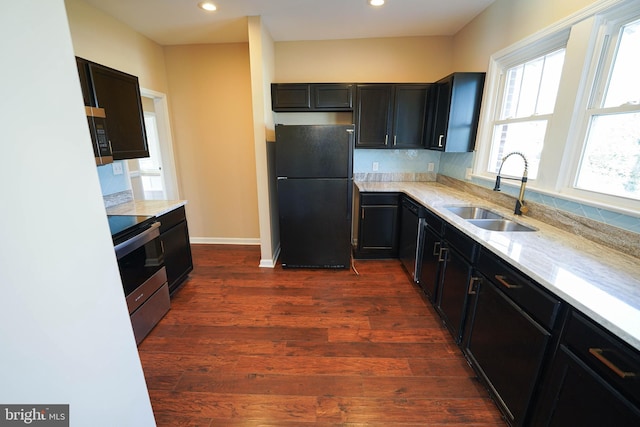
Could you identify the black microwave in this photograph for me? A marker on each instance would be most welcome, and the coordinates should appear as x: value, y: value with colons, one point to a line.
x: 99, y: 137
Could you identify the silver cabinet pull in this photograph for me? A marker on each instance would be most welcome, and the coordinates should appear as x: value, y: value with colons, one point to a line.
x: 395, y: 142
x: 472, y: 289
x: 436, y: 248
x: 440, y: 141
x: 386, y: 139
x: 443, y: 251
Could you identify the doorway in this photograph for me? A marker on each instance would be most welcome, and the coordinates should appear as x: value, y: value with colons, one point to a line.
x: 154, y: 177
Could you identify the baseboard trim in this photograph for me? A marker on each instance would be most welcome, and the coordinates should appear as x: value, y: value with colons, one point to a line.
x: 223, y: 241
x: 271, y: 263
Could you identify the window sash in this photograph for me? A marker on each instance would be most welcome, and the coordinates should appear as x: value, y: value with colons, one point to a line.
x: 586, y: 35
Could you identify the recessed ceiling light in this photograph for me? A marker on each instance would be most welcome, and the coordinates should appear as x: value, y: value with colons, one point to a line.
x: 375, y: 2
x: 207, y: 5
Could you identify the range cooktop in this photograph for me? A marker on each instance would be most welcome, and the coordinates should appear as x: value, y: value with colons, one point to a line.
x: 127, y: 225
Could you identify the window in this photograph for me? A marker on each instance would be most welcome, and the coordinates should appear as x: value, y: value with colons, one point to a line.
x: 569, y: 99
x: 529, y: 93
x: 610, y: 160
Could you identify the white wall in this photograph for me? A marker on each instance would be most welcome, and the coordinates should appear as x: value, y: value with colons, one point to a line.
x: 65, y: 334
x: 261, y: 54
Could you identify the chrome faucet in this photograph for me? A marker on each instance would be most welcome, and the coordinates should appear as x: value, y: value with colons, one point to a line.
x: 520, y: 207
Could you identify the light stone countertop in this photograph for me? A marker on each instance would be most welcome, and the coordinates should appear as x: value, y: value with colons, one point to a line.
x: 602, y: 283
x: 145, y: 207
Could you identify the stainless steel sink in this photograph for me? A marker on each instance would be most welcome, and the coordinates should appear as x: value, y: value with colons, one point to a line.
x: 474, y: 212
x: 499, y: 225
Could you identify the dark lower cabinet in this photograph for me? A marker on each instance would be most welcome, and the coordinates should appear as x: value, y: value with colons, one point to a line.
x: 431, y: 264
x: 457, y: 253
x: 594, y: 380
x: 543, y: 362
x: 177, y: 250
x: 507, y: 349
x: 378, y: 225
x: 509, y: 335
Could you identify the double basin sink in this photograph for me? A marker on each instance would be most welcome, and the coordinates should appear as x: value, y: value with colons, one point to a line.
x: 487, y: 220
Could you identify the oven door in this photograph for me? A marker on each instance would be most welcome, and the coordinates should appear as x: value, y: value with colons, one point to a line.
x: 141, y: 264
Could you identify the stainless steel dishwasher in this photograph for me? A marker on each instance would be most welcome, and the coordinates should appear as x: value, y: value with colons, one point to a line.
x: 412, y: 220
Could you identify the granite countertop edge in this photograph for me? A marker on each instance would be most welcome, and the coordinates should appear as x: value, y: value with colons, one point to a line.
x: 145, y: 207
x: 601, y: 282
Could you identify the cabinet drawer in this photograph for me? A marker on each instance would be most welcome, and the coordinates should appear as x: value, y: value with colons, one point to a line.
x: 171, y: 219
x: 610, y: 357
x: 463, y: 244
x: 434, y: 221
x: 527, y: 294
x: 379, y: 198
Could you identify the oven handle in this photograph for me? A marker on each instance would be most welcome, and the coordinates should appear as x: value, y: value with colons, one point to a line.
x: 137, y: 241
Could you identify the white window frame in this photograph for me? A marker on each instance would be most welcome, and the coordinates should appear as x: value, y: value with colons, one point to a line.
x: 606, y: 37
x: 562, y: 149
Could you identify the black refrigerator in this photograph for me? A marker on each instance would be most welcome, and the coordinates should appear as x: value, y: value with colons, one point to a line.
x: 315, y: 188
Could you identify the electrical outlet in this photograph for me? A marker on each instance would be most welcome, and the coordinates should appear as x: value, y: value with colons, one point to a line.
x: 375, y: 166
x: 467, y: 175
x: 117, y: 168
x: 430, y: 167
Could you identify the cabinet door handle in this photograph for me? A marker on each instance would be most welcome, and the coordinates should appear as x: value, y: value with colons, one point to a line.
x: 436, y: 248
x: 395, y: 140
x: 443, y: 251
x: 440, y: 138
x: 362, y: 215
x: 472, y: 289
x: 386, y: 139
x: 503, y: 281
x: 598, y: 353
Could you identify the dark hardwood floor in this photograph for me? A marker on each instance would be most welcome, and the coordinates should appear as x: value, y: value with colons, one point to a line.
x: 250, y: 346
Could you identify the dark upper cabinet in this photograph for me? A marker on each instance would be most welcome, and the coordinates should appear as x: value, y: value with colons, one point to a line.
x: 454, y: 111
x: 373, y: 115
x: 83, y: 73
x: 118, y: 94
x: 291, y: 97
x: 409, y: 115
x: 390, y: 115
x: 332, y: 97
x: 300, y: 97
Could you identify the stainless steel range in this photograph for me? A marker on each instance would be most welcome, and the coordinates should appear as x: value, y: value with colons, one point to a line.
x: 140, y: 257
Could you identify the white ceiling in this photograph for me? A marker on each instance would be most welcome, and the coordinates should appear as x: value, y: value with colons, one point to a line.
x: 170, y: 22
